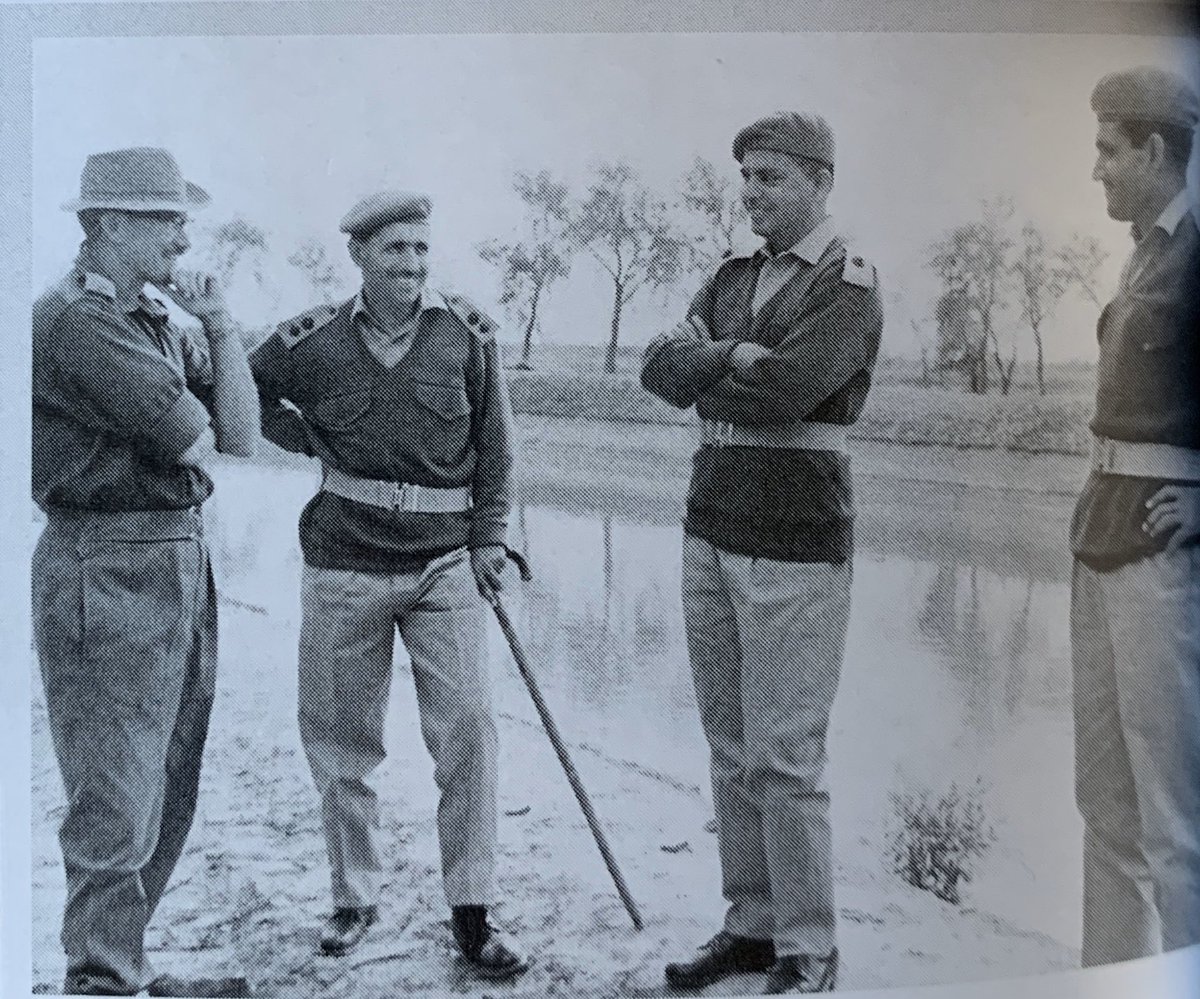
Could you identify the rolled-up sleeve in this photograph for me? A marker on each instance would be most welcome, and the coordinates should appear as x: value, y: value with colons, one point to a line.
x: 127, y: 384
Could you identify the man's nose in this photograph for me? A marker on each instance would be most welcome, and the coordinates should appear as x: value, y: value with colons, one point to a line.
x: 1098, y: 171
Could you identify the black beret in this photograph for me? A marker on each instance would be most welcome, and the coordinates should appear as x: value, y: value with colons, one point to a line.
x: 384, y: 208
x: 1146, y: 93
x: 805, y: 135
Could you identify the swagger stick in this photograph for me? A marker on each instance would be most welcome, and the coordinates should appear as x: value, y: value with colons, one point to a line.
x: 560, y: 748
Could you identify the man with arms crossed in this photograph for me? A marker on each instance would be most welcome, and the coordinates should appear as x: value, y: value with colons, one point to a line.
x: 399, y: 393
x: 126, y: 410
x: 1135, y: 600
x: 776, y: 354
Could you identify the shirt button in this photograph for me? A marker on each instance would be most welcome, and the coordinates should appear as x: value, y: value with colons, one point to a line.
x: 307, y: 322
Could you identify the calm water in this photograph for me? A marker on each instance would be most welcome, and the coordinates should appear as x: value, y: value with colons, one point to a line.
x: 952, y: 673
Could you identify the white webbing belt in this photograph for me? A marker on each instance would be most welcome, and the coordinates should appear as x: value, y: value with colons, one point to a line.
x: 1145, y: 461
x: 799, y: 436
x: 397, y: 495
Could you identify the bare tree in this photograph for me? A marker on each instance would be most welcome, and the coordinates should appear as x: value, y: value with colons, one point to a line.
x: 716, y: 208
x: 631, y: 235
x: 1045, y: 276
x: 972, y: 261
x: 531, y: 264
x: 312, y: 260
x: 1039, y: 287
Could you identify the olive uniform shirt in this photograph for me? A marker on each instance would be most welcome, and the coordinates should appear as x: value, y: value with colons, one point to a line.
x: 118, y: 396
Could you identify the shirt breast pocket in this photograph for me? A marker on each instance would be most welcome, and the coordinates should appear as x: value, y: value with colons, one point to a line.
x: 341, y: 412
x: 444, y: 422
x: 445, y: 401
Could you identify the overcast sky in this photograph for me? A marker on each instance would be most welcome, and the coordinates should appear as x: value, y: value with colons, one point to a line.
x: 291, y: 131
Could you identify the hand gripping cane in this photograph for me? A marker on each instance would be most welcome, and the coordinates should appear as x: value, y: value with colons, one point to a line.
x: 556, y: 740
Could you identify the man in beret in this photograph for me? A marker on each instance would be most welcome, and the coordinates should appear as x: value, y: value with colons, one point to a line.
x: 776, y: 354
x: 127, y: 411
x: 1135, y: 601
x: 398, y: 392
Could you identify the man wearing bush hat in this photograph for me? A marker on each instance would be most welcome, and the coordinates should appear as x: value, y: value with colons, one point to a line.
x: 776, y: 354
x: 398, y: 391
x: 127, y: 410
x: 1135, y: 628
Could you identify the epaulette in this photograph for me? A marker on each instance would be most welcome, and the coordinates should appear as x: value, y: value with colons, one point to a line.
x: 858, y: 270
x: 97, y: 284
x: 473, y: 317
x: 296, y: 329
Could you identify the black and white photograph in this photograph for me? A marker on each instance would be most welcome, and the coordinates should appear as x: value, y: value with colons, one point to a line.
x: 682, y: 501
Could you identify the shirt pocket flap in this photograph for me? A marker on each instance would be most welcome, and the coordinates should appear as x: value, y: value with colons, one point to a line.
x: 447, y: 401
x: 338, y: 412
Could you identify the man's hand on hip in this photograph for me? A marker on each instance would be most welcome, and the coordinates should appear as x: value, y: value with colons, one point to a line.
x: 1174, y: 511
x: 487, y: 563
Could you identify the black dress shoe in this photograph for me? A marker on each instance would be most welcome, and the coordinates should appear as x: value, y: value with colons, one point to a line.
x: 86, y: 983
x: 724, y: 955
x: 802, y: 975
x: 234, y: 987
x: 489, y: 951
x: 346, y: 927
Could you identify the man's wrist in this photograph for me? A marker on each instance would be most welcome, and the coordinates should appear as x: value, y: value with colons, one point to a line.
x: 219, y: 325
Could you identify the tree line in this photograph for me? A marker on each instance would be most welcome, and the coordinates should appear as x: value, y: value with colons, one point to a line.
x: 987, y: 268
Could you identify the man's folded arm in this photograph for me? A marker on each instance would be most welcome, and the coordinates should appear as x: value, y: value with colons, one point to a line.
x: 677, y: 367
x: 828, y: 344
x: 127, y: 385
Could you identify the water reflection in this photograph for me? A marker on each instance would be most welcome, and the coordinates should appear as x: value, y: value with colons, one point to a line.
x: 952, y: 672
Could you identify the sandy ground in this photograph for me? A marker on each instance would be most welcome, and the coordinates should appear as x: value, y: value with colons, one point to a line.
x: 250, y: 893
x: 252, y: 888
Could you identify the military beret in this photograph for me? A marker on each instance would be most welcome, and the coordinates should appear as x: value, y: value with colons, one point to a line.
x: 1146, y: 93
x: 384, y: 208
x: 805, y: 135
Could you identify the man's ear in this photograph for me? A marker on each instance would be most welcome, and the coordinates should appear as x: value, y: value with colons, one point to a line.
x: 1156, y: 150
x: 114, y: 226
x: 354, y: 245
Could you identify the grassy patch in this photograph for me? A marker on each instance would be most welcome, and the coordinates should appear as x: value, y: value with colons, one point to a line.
x: 935, y: 840
x: 899, y: 412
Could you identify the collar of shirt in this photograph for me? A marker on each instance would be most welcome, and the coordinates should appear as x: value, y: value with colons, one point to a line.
x: 93, y: 281
x: 808, y: 249
x: 1146, y: 247
x: 1174, y: 213
x: 388, y: 347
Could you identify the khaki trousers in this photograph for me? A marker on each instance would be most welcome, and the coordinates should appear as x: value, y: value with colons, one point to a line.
x: 765, y: 640
x: 346, y: 642
x: 1135, y: 635
x: 125, y: 622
